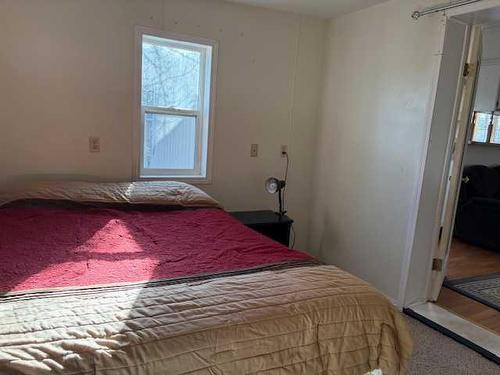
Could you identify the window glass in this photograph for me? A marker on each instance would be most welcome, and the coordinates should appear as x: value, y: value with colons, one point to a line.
x: 169, y: 141
x: 170, y: 76
x: 481, y: 127
x: 495, y: 134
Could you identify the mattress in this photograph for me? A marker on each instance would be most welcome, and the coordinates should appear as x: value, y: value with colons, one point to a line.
x: 101, y: 290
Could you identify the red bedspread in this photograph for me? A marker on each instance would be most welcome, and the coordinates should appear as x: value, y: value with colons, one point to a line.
x: 53, y: 247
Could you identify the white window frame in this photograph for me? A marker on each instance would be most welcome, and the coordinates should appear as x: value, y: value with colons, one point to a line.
x: 204, y: 115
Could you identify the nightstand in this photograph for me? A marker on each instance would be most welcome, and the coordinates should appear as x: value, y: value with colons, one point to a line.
x: 267, y: 223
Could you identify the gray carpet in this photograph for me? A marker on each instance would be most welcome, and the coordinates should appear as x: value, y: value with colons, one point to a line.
x: 436, y: 354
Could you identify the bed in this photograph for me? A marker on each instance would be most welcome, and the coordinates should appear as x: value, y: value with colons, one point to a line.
x: 156, y: 278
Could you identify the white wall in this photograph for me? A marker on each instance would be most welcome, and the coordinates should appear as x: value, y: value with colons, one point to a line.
x: 491, y: 47
x: 482, y: 155
x: 380, y: 76
x: 66, y: 73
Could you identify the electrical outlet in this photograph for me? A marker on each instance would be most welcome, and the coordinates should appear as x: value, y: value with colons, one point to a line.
x: 284, y: 150
x: 94, y: 144
x: 254, y: 150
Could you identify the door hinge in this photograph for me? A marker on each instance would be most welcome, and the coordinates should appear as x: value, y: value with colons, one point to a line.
x: 466, y: 69
x: 437, y: 264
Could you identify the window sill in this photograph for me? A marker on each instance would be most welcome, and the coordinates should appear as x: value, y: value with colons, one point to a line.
x: 484, y: 144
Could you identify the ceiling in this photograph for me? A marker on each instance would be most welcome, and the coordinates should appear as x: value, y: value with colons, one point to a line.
x: 482, y: 17
x: 321, y: 8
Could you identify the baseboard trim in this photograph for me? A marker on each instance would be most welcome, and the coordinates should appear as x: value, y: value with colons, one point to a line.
x: 445, y: 331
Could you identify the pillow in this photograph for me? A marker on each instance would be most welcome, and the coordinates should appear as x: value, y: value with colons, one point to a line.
x: 159, y: 193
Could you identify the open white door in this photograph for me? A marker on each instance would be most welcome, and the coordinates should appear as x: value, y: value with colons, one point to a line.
x: 459, y: 131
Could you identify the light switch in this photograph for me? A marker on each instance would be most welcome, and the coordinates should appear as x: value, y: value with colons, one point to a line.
x: 94, y: 144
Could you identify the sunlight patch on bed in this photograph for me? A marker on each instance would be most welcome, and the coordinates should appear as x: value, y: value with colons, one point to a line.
x: 113, y: 238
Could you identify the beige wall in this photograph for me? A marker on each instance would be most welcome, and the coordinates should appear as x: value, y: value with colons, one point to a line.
x: 380, y: 75
x: 482, y: 155
x: 66, y: 73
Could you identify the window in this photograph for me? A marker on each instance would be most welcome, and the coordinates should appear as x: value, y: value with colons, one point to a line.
x: 176, y: 87
x: 495, y: 133
x: 486, y: 128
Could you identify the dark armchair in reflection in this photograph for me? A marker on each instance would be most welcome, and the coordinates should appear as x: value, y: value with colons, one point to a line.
x: 478, y: 211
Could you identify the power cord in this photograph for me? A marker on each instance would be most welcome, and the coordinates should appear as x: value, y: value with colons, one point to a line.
x: 293, y: 238
x: 285, y: 179
x: 294, y: 235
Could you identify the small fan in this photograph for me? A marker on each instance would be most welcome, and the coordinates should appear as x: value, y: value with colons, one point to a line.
x: 273, y: 186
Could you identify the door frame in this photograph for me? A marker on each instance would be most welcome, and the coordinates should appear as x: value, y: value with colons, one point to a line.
x: 423, y: 230
x: 454, y: 166
x: 425, y: 213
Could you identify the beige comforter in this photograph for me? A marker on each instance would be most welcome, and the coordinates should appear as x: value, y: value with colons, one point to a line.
x: 306, y: 320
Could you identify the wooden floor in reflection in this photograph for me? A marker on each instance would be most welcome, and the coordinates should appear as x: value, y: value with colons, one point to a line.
x: 468, y: 261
